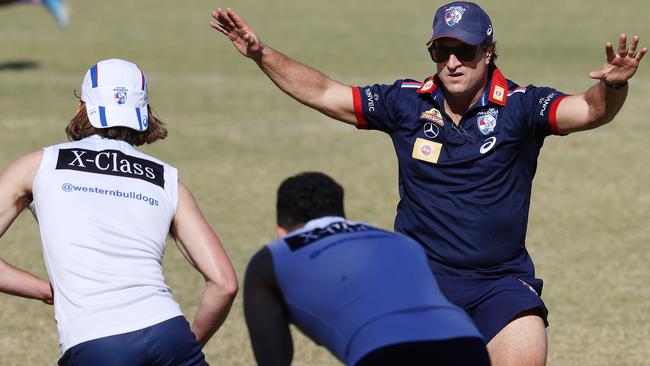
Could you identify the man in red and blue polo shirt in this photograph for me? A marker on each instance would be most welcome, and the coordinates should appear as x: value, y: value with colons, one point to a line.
x: 467, y: 141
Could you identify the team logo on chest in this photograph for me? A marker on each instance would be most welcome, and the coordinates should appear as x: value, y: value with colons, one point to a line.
x: 434, y: 116
x: 486, y: 124
x: 487, y: 121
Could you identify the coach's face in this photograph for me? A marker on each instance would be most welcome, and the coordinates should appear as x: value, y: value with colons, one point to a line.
x: 461, y: 68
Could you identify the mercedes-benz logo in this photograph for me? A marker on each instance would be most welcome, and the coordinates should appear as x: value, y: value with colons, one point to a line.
x: 431, y: 130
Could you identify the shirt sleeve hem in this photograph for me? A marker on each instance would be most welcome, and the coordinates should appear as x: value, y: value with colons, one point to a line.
x: 552, y: 116
x: 358, y: 109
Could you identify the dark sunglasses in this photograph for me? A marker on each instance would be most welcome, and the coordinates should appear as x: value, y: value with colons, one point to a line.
x: 463, y: 52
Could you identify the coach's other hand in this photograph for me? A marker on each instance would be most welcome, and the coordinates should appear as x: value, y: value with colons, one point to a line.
x: 621, y: 65
x: 238, y: 31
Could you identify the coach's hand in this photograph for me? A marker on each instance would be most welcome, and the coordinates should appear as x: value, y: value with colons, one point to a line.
x: 621, y: 65
x: 238, y: 31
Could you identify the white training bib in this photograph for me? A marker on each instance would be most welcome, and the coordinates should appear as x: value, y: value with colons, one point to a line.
x: 104, y: 211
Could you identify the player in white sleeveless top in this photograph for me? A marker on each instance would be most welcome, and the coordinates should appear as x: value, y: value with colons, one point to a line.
x: 104, y: 210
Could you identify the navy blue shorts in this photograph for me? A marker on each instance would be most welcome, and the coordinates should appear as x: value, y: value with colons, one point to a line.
x: 167, y: 343
x: 493, y: 303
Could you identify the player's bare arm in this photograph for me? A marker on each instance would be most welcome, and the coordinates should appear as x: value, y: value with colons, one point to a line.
x: 600, y: 103
x: 15, y: 194
x: 267, y: 317
x: 203, y: 249
x: 304, y: 83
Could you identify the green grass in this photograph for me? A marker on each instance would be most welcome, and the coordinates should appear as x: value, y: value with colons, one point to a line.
x: 234, y: 137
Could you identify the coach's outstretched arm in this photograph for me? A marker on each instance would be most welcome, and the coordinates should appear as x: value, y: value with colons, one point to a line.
x: 601, y: 102
x: 202, y: 248
x: 15, y: 194
x: 305, y: 84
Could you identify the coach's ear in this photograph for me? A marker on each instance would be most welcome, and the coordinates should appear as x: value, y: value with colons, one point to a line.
x: 280, y: 231
x: 488, y: 54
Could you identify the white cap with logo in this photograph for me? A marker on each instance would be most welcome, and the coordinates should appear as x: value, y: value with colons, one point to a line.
x: 115, y: 93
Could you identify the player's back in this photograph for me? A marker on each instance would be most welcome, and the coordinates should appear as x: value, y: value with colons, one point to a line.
x: 354, y: 288
x: 104, y: 212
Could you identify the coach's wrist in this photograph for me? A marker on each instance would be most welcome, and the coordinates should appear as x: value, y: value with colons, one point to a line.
x: 260, y: 53
x: 616, y: 86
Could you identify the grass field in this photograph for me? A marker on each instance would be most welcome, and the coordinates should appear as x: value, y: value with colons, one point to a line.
x: 234, y: 137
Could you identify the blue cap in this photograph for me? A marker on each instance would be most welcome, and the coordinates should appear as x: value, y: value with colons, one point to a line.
x: 464, y: 21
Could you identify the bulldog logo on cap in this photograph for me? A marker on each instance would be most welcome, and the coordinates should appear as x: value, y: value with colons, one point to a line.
x: 453, y: 15
x: 120, y: 94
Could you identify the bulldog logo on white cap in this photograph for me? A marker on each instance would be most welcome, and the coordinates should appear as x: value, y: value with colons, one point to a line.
x: 121, y: 94
x: 115, y: 93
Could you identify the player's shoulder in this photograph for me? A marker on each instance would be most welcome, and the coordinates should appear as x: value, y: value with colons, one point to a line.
x: 362, y: 226
x: 61, y: 145
x: 139, y: 154
x: 27, y: 162
x: 19, y: 176
x: 260, y: 263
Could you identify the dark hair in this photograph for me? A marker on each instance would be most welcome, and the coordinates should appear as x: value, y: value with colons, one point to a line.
x: 80, y: 127
x: 308, y: 196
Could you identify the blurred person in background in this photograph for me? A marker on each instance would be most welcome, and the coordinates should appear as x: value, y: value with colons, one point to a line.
x: 365, y: 294
x: 57, y: 8
x: 104, y: 211
x: 467, y: 142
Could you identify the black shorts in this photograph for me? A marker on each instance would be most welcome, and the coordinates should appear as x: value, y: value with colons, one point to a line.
x: 447, y: 352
